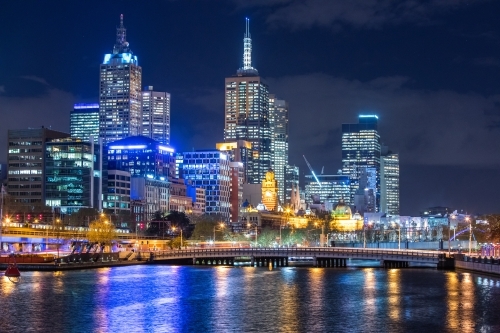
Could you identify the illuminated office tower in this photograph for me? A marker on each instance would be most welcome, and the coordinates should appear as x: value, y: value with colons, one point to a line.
x: 361, y: 150
x: 292, y: 186
x: 389, y: 182
x: 156, y: 115
x: 278, y: 117
x: 84, y: 121
x: 120, y: 92
x: 247, y: 113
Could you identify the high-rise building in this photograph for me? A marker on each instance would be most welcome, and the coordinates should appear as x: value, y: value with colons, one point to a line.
x: 120, y: 91
x: 291, y: 185
x: 361, y: 149
x: 210, y: 169
x: 156, y: 115
x: 239, y: 151
x: 389, y: 182
x: 26, y: 161
x: 278, y: 115
x: 75, y: 174
x: 142, y: 157
x: 247, y: 113
x: 327, y: 190
x: 84, y: 121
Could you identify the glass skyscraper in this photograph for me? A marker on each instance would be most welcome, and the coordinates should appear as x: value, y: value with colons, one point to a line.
x: 389, y: 182
x: 328, y: 190
x: 247, y: 113
x: 156, y: 115
x: 210, y: 170
x: 120, y: 113
x: 361, y: 149
x: 84, y: 121
x: 278, y: 115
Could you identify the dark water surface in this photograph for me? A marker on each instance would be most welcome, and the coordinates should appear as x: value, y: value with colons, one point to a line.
x: 244, y: 299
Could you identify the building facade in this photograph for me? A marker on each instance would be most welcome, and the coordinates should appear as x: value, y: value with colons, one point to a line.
x: 120, y: 113
x: 278, y: 115
x: 153, y: 194
x: 117, y: 199
x: 84, y: 121
x: 247, y: 113
x: 325, y: 193
x: 239, y: 151
x: 156, y: 115
x: 75, y: 175
x: 361, y: 149
x: 26, y: 161
x: 389, y: 183
x: 291, y: 182
x: 210, y: 170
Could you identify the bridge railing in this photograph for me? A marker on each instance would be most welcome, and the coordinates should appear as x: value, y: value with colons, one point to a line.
x: 298, y: 252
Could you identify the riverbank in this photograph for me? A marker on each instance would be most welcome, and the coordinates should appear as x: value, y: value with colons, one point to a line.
x: 72, y: 266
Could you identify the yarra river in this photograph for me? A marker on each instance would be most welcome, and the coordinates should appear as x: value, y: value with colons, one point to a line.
x: 149, y: 298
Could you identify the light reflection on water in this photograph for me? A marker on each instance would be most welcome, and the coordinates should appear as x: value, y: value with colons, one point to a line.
x: 247, y: 299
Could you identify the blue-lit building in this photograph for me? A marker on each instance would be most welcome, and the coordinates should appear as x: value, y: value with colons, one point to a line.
x: 360, y: 152
x: 120, y: 93
x: 75, y: 175
x: 142, y: 157
x: 327, y: 191
x: 210, y: 170
x: 84, y: 121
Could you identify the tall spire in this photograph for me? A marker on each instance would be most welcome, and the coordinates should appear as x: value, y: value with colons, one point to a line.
x: 247, y: 52
x: 121, y: 45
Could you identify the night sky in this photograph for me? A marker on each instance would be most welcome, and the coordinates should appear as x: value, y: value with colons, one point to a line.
x: 429, y: 69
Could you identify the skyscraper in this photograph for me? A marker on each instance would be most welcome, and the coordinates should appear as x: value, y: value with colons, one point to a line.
x: 156, y: 115
x: 389, y: 182
x: 247, y: 113
x: 84, y: 121
x: 120, y: 91
x: 361, y: 149
x: 278, y: 115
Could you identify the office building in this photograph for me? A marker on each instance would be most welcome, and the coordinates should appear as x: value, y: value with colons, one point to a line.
x: 117, y: 200
x: 210, y: 170
x: 325, y: 192
x: 152, y: 193
x: 361, y: 149
x: 84, y: 121
x: 120, y: 94
x: 239, y: 151
x: 179, y: 199
x: 197, y: 195
x: 26, y: 160
x: 236, y: 197
x: 75, y: 173
x: 291, y: 182
x: 247, y: 113
x: 142, y: 157
x: 156, y: 115
x: 389, y: 182
x: 278, y: 115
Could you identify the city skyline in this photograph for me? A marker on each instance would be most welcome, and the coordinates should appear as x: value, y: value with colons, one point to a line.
x: 436, y: 98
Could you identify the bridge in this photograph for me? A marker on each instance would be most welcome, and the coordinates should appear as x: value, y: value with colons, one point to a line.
x: 321, y: 256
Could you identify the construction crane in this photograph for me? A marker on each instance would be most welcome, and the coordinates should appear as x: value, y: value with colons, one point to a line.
x: 310, y: 168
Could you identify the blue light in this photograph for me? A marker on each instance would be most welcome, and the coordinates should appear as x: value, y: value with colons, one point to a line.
x: 171, y: 150
x: 368, y: 116
x: 79, y: 106
x: 128, y: 147
x: 150, y: 176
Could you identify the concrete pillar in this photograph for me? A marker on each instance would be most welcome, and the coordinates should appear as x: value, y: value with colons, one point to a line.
x: 286, y: 261
x: 252, y: 261
x: 315, y: 262
x: 194, y: 261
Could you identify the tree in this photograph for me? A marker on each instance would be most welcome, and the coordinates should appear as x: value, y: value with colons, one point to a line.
x: 83, y: 217
x: 181, y: 221
x: 493, y: 229
x: 101, y: 232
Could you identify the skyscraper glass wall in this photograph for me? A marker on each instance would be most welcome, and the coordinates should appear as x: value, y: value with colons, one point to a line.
x: 328, y: 190
x: 156, y: 115
x: 84, y: 121
x: 389, y: 187
x: 278, y: 115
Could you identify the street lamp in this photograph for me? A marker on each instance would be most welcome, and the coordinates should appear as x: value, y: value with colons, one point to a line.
x: 468, y: 219
x: 221, y: 227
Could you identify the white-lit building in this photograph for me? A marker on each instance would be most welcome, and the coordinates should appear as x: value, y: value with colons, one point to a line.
x: 120, y: 93
x: 389, y: 183
x: 278, y: 115
x: 327, y: 191
x: 84, y: 121
x: 156, y: 115
x: 117, y: 199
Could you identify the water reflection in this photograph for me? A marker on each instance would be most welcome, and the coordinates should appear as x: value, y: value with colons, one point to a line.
x: 194, y: 299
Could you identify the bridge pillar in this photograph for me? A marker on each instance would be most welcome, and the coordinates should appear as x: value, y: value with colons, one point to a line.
x: 252, y: 261
x: 286, y: 261
x: 194, y: 261
x: 315, y: 262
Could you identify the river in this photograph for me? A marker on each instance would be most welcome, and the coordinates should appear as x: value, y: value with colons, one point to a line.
x: 149, y: 298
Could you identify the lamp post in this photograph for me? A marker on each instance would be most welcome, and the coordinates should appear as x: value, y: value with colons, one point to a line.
x: 468, y: 219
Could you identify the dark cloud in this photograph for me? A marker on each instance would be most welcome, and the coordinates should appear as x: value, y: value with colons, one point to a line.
x: 358, y: 13
x: 487, y: 61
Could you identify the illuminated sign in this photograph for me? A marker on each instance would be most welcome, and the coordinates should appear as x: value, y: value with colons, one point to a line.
x: 368, y: 116
x: 171, y: 150
x: 128, y: 147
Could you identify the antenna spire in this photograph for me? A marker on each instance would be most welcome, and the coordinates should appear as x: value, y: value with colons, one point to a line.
x: 247, y: 51
x: 121, y: 45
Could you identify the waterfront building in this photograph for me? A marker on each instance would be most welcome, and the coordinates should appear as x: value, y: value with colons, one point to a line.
x: 278, y: 115
x: 239, y: 151
x: 117, y: 198
x: 365, y: 195
x: 197, y: 195
x: 120, y: 91
x: 153, y: 194
x: 210, y: 170
x: 292, y: 186
x: 361, y: 149
x: 389, y: 182
x: 247, y: 113
x: 236, y: 197
x: 179, y: 199
x: 26, y: 160
x: 156, y: 115
x: 75, y: 175
x: 142, y: 156
x: 322, y: 194
x: 84, y: 121
x: 342, y: 218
